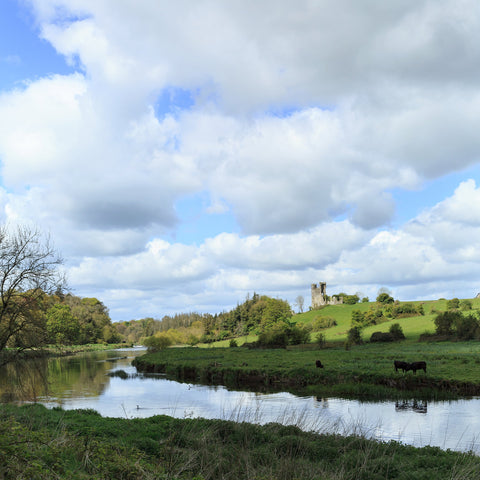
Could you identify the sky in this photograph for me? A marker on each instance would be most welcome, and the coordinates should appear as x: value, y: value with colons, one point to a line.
x: 184, y: 155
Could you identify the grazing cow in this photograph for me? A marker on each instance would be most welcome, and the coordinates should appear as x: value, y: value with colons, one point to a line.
x: 417, y: 366
x: 398, y: 364
x: 318, y: 363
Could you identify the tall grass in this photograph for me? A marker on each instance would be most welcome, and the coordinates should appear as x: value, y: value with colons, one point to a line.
x: 45, y: 444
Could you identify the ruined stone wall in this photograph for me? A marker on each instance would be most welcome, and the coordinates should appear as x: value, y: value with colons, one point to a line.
x: 319, y: 296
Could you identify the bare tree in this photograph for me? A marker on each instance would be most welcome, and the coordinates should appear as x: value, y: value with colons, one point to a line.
x: 29, y: 269
x: 299, y: 302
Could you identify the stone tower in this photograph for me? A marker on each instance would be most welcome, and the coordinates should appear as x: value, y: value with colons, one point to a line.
x: 319, y: 294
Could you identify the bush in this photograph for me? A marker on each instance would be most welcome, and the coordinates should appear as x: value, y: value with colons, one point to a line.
x: 320, y: 340
x: 396, y: 332
x: 350, y: 299
x: 233, y: 343
x: 404, y: 310
x: 354, y: 336
x: 298, y: 334
x: 465, y: 305
x: 319, y: 323
x: 467, y: 327
x: 157, y: 342
x: 381, y: 337
x: 273, y: 338
x: 385, y: 298
x: 445, y: 321
x: 453, y: 304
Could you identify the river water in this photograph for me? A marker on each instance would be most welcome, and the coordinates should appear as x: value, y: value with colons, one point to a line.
x: 83, y: 381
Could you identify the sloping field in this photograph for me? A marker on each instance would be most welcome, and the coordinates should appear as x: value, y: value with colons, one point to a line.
x: 412, y: 327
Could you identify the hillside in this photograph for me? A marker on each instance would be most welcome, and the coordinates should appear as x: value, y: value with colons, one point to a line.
x: 412, y: 327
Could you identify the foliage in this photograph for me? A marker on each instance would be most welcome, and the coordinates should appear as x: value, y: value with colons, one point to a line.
x: 453, y: 304
x: 29, y: 268
x: 285, y: 333
x: 350, y: 299
x: 396, y: 331
x: 62, y: 327
x: 381, y: 337
x: 467, y: 327
x: 384, y: 298
x: 158, y: 342
x: 354, y: 336
x: 466, y: 304
x: 444, y: 322
x: 321, y: 322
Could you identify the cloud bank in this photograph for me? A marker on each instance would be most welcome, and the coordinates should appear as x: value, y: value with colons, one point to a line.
x: 299, y: 122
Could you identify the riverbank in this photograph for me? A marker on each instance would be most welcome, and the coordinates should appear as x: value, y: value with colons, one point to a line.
x: 453, y: 369
x: 63, y: 350
x: 39, y: 443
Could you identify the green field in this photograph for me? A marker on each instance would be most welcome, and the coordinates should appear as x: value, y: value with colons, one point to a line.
x: 453, y: 369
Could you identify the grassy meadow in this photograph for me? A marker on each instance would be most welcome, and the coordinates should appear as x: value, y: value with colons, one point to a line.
x: 453, y: 367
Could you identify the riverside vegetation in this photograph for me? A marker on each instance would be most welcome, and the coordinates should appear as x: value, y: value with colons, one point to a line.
x: 40, y: 443
x: 36, y: 443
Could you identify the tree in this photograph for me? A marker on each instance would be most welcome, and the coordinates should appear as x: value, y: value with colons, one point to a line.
x: 445, y: 321
x: 385, y: 298
x: 62, y: 326
x: 29, y: 268
x: 300, y: 302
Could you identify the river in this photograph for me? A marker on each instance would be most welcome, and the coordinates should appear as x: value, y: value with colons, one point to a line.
x: 85, y: 381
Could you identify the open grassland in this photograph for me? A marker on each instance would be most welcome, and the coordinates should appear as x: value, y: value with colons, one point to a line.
x: 412, y: 327
x: 36, y: 443
x: 453, y: 368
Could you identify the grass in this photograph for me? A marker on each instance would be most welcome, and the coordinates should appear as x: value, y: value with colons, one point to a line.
x: 43, y: 444
x: 412, y: 327
x: 453, y: 369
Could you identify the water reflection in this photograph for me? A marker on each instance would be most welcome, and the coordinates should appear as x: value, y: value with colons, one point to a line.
x: 108, y: 383
x: 413, y: 405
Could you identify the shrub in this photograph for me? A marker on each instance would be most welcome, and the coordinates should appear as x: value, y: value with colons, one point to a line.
x: 354, y: 336
x: 404, y: 310
x: 465, y: 305
x: 467, y: 327
x: 233, y: 343
x: 298, y: 334
x: 319, y: 323
x: 381, y: 337
x: 320, y: 340
x: 452, y: 304
x: 445, y: 321
x: 396, y: 332
x: 385, y: 298
x: 350, y: 299
x: 273, y: 338
x: 358, y: 318
x: 157, y: 342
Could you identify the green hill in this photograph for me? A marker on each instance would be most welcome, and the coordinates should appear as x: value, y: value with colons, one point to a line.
x: 412, y: 326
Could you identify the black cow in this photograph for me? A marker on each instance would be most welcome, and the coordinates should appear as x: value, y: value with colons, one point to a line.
x: 398, y: 364
x: 318, y: 363
x: 417, y: 366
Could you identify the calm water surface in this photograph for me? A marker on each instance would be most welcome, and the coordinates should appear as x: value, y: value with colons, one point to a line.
x: 82, y: 381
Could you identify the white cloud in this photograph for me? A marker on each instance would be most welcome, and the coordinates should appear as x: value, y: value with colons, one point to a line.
x: 298, y: 117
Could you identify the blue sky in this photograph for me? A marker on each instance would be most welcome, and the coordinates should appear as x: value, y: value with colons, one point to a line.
x: 183, y: 155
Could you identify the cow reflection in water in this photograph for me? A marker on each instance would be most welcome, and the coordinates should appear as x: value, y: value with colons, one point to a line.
x: 414, y: 405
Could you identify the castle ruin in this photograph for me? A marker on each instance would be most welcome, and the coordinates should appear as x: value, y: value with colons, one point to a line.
x: 320, y: 297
